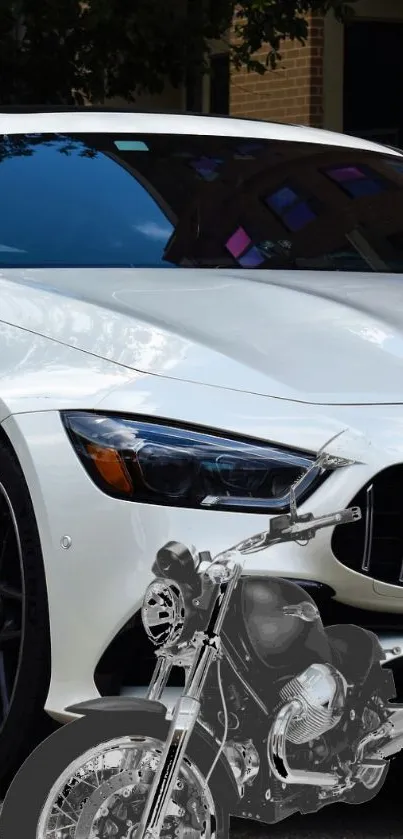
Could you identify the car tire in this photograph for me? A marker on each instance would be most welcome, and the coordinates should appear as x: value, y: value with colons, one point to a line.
x: 24, y: 660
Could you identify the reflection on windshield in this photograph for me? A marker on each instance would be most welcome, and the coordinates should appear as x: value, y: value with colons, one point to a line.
x: 166, y: 201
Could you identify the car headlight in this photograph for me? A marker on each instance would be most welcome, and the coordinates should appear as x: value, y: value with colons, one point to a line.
x: 157, y: 463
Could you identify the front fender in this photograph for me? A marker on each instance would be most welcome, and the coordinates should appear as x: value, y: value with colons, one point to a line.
x: 125, y: 704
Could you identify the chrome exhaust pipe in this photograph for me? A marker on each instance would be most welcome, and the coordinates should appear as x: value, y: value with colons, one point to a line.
x: 391, y: 732
x: 277, y: 752
x: 393, y: 747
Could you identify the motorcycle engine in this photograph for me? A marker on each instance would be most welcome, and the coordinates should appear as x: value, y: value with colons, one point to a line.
x: 321, y: 691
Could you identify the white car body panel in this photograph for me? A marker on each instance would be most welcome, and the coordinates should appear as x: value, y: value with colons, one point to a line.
x: 127, y: 123
x: 294, y: 358
x: 257, y: 334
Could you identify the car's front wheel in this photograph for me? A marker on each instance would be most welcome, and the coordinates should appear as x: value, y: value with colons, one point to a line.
x: 24, y: 625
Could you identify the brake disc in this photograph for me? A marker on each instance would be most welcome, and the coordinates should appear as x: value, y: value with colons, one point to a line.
x: 103, y: 801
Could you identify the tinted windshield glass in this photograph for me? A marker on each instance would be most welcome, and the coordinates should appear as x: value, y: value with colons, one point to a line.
x: 176, y: 200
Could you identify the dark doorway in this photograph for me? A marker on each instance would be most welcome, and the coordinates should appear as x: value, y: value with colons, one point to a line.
x: 373, y: 81
x: 220, y: 84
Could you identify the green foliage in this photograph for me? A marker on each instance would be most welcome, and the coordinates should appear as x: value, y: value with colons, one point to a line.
x: 63, y: 52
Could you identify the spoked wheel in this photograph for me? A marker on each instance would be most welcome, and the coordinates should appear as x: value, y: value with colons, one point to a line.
x: 103, y: 793
x: 90, y: 780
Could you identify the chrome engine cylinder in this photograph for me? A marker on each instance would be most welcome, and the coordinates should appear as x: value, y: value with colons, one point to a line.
x: 321, y: 692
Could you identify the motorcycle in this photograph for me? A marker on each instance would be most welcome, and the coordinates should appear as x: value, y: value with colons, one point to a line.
x: 278, y: 715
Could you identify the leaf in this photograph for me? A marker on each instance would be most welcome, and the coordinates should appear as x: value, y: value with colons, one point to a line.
x: 72, y: 52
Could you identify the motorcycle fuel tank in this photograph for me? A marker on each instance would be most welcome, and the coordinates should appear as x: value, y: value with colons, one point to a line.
x: 280, y: 624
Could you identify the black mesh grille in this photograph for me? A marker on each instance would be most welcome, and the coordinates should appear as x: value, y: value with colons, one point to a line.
x: 374, y: 545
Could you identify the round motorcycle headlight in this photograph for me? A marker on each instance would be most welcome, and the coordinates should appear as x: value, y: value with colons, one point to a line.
x: 163, y: 612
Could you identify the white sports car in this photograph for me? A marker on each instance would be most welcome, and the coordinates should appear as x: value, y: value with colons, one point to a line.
x: 140, y: 404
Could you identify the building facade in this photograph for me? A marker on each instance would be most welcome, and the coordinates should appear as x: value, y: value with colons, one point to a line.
x: 346, y: 78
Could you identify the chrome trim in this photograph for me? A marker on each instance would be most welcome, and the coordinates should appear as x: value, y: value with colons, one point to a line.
x: 369, y: 526
x: 244, y: 761
x: 159, y: 678
x: 277, y: 752
x: 307, y: 611
x: 392, y: 645
x: 184, y: 719
x: 386, y: 741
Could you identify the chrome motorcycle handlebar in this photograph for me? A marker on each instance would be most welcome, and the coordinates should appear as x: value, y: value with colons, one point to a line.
x: 289, y: 528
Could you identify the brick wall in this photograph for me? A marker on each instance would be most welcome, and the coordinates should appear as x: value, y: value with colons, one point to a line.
x: 291, y: 93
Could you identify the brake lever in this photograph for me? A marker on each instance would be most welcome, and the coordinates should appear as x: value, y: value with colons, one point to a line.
x: 291, y: 528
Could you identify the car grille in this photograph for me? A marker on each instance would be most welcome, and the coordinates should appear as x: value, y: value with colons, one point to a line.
x: 374, y: 545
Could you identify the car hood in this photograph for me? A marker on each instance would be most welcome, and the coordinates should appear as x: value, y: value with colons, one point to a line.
x: 315, y: 337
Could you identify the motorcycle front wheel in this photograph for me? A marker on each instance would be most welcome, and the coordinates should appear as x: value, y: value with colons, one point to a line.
x: 90, y: 780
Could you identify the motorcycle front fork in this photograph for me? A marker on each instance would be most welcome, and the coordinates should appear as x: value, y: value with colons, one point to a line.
x: 184, y: 718
x: 183, y: 721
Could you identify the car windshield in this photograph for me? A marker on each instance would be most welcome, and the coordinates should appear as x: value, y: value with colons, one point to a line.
x: 171, y: 200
